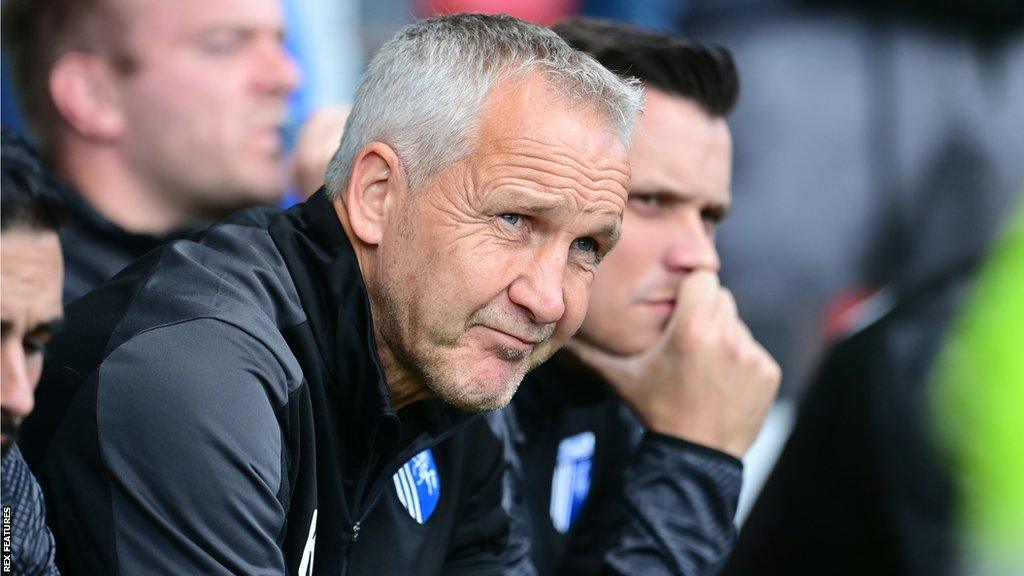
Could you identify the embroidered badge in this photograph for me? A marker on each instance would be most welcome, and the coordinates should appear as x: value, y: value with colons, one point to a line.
x: 418, y: 485
x: 571, y: 481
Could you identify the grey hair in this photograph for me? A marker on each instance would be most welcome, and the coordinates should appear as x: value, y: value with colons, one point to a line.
x: 423, y: 93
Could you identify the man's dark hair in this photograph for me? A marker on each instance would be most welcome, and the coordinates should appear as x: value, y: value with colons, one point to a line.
x: 701, y: 73
x: 29, y: 199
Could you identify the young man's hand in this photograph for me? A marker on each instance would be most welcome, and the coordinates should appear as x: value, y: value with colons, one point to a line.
x: 706, y: 380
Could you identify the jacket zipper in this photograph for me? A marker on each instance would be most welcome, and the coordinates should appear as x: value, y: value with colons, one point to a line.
x: 363, y: 508
x: 358, y: 506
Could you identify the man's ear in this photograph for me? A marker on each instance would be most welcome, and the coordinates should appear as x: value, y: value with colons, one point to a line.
x: 377, y: 187
x: 83, y: 90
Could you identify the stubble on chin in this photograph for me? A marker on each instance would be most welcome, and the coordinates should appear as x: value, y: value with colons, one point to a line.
x: 452, y: 383
x: 434, y: 362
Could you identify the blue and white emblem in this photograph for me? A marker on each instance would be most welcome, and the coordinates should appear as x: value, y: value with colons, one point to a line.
x: 571, y: 481
x: 418, y: 485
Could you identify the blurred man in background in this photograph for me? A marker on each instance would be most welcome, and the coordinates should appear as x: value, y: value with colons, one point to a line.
x: 162, y: 116
x: 30, y: 311
x: 632, y: 443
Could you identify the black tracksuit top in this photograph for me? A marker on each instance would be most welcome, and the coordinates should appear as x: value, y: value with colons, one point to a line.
x: 654, y: 505
x: 95, y: 248
x: 200, y: 408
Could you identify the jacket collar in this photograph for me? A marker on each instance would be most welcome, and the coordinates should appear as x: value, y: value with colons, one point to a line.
x: 328, y: 280
x: 566, y: 381
x: 83, y: 214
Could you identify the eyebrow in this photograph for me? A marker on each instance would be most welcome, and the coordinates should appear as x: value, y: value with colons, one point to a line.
x: 610, y: 231
x: 611, y: 234
x: 724, y: 207
x: 542, y: 208
x: 721, y: 211
x: 49, y: 327
x: 243, y: 25
x: 52, y: 325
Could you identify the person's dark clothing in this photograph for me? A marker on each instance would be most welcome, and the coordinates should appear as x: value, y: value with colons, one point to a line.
x: 95, y: 248
x: 224, y: 411
x: 655, y: 504
x: 31, y: 544
x: 858, y: 488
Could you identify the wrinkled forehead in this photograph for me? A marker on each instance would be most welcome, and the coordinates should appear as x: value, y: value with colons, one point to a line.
x: 31, y: 271
x: 530, y: 103
x: 527, y: 125
x: 678, y: 148
x: 583, y: 180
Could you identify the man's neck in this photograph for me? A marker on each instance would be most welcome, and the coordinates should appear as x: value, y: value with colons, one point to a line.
x: 405, y: 388
x: 118, y: 196
x: 404, y: 385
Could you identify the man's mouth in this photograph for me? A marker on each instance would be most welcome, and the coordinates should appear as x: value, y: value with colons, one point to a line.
x: 661, y: 302
x: 661, y: 307
x: 268, y: 126
x: 512, y: 340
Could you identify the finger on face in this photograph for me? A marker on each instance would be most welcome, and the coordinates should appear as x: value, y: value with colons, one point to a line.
x: 767, y: 369
x: 770, y: 369
x: 695, y: 300
x: 744, y: 331
x: 697, y: 291
x: 725, y: 306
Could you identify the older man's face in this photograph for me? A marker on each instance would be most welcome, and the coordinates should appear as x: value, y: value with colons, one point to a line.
x: 30, y: 270
x: 487, y: 271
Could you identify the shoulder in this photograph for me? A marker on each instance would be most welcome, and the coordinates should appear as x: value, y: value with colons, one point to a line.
x: 202, y: 392
x: 205, y: 359
x: 225, y: 289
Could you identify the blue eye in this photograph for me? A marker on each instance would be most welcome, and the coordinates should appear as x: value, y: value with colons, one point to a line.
x: 513, y: 219
x: 585, y: 244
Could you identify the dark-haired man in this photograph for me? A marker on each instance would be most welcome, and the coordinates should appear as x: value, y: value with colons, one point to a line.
x: 632, y: 441
x: 30, y: 272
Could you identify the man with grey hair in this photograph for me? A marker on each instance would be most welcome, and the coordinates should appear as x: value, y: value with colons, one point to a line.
x: 296, y: 392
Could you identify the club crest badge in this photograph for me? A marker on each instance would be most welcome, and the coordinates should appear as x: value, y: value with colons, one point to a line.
x: 418, y: 485
x: 571, y: 481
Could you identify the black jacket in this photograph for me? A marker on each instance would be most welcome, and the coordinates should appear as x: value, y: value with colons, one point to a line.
x: 219, y: 407
x: 859, y: 487
x: 95, y: 248
x: 641, y: 503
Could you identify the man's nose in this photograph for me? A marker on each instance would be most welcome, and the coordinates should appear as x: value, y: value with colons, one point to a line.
x: 540, y: 286
x: 692, y: 247
x: 276, y: 71
x: 17, y: 386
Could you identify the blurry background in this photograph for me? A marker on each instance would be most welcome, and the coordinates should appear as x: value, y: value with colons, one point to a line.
x: 878, y: 146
